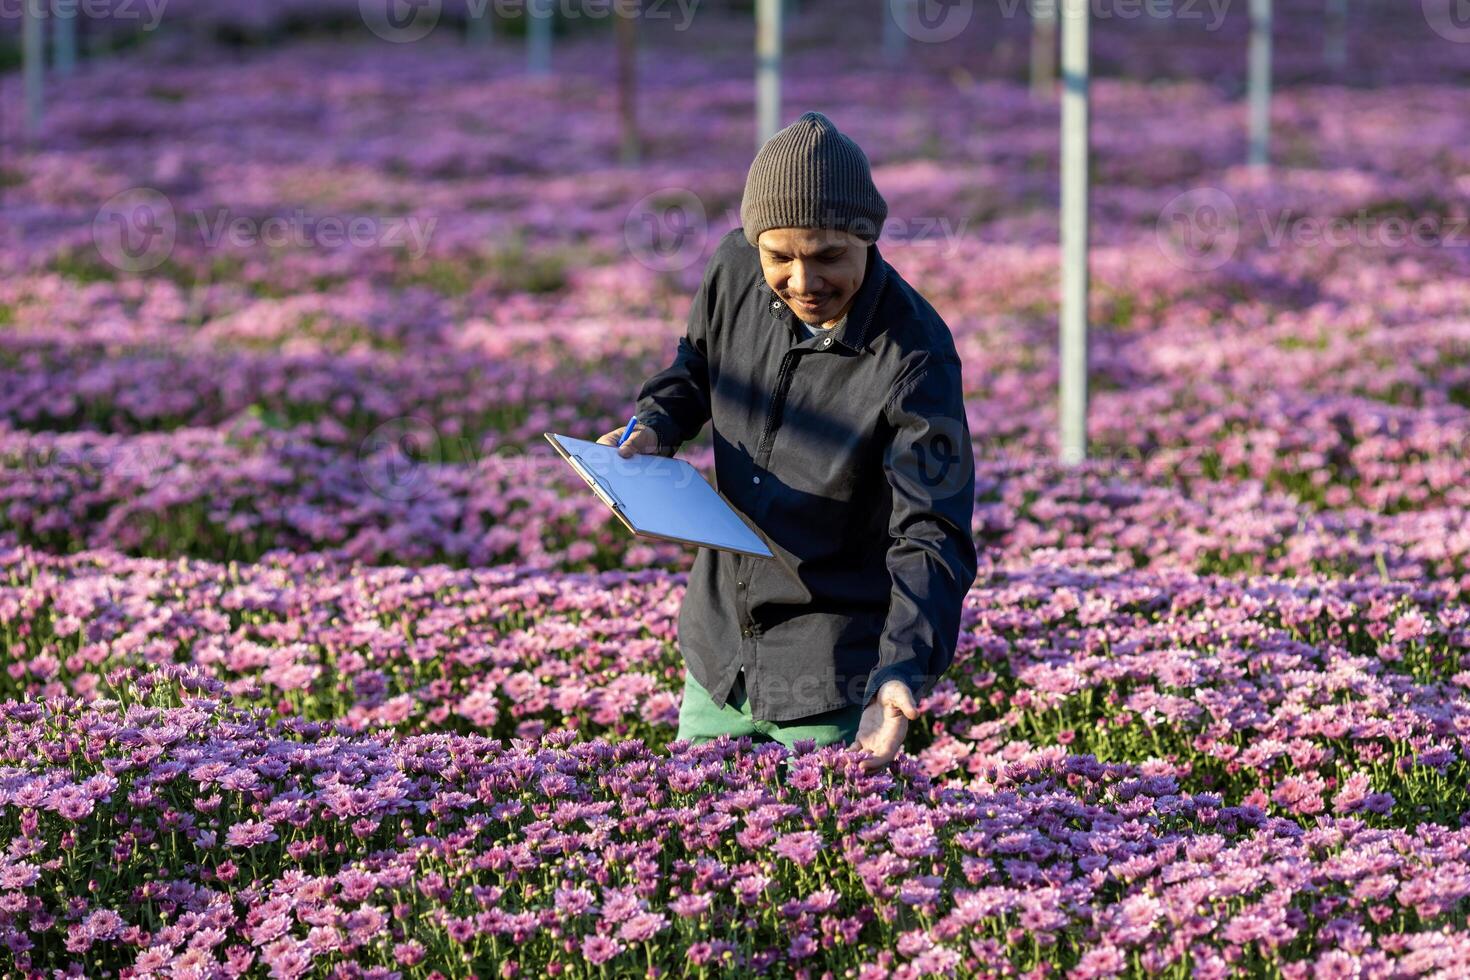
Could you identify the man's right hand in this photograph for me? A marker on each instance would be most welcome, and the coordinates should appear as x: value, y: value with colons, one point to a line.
x: 643, y: 440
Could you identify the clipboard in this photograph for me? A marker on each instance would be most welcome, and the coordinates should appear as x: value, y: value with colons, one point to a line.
x: 661, y: 497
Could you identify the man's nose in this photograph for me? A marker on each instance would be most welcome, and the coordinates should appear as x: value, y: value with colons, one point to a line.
x: 800, y: 281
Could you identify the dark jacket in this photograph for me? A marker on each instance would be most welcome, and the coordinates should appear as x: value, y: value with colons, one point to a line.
x: 851, y: 453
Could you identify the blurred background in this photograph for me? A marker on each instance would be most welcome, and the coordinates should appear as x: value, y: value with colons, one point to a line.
x: 315, y: 275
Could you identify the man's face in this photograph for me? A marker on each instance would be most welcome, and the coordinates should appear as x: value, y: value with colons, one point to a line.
x: 818, y: 264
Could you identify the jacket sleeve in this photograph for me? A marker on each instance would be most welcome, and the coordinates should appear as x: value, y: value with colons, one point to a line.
x: 930, y: 465
x: 675, y: 402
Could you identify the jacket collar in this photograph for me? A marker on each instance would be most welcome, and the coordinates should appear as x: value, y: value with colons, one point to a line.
x: 854, y: 332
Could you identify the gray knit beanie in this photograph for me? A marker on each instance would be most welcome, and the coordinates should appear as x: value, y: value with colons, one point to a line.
x: 811, y: 176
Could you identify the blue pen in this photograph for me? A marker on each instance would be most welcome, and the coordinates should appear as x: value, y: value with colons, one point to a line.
x: 628, y: 431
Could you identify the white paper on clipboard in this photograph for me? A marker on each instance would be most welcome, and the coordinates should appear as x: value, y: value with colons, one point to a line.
x: 661, y: 497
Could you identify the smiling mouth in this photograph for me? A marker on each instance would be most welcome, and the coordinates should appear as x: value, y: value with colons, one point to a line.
x: 811, y: 304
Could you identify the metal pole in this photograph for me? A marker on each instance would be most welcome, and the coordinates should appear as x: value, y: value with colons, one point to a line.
x: 767, y: 69
x: 1260, y: 82
x: 33, y: 54
x: 1334, y: 44
x: 1073, y: 319
x: 1043, y: 47
x: 538, y: 37
x: 64, y: 38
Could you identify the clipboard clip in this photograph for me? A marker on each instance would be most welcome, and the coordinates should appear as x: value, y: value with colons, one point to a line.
x: 608, y: 496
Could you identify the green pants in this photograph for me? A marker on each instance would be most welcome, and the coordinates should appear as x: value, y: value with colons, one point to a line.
x: 700, y: 720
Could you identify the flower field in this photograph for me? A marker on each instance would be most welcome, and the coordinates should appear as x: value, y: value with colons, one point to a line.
x: 315, y: 661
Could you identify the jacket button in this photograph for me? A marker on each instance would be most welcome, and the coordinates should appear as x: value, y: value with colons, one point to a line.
x: 775, y: 304
x: 826, y: 341
x: 739, y: 585
x: 755, y: 479
x: 745, y: 632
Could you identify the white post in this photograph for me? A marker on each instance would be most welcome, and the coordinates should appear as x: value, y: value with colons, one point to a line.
x: 1043, y: 47
x: 33, y: 56
x: 64, y: 38
x: 1260, y: 83
x: 538, y: 37
x: 1073, y: 320
x: 767, y: 69
x: 1334, y: 43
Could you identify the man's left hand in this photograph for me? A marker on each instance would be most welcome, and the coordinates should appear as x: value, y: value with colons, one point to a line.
x: 885, y: 723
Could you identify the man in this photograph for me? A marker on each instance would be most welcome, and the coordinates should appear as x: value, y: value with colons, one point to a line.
x: 834, y: 393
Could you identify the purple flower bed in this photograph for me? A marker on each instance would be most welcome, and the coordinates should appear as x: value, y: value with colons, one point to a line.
x: 162, y: 831
x: 236, y: 493
x: 1300, y: 696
